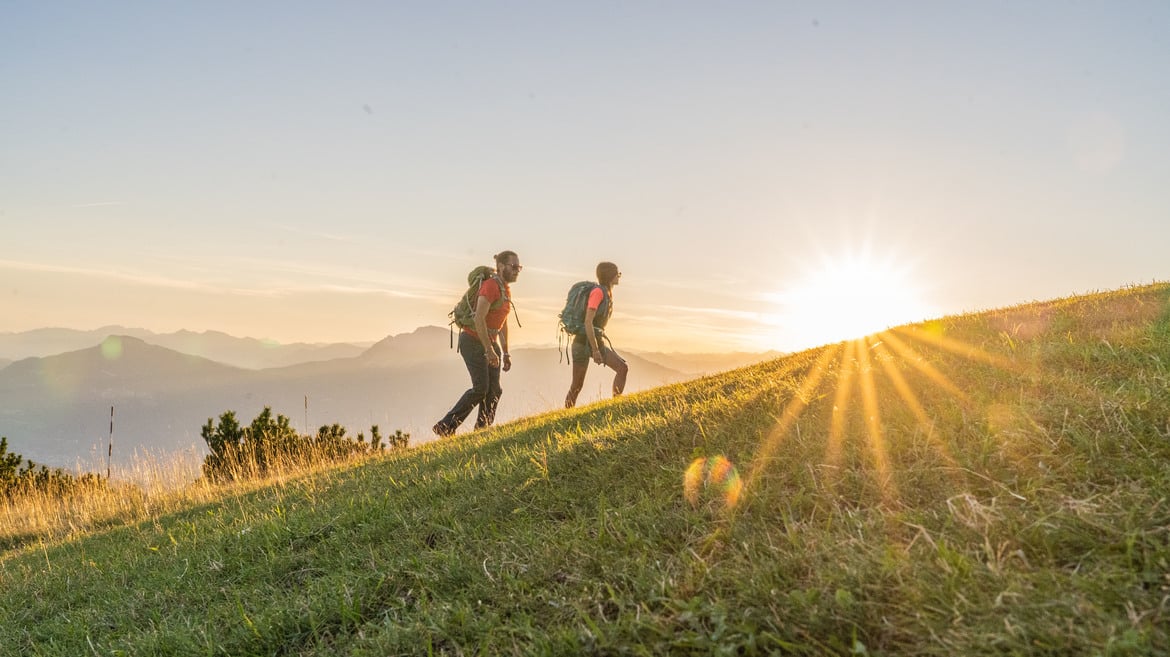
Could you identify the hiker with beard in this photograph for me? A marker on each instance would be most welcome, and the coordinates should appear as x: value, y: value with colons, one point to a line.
x: 588, y: 345
x: 484, y: 346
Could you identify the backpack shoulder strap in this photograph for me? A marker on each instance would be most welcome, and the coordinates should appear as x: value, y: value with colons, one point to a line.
x: 504, y: 298
x: 502, y: 287
x: 605, y: 298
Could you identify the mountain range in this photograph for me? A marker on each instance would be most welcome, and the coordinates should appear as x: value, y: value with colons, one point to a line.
x: 56, y: 409
x: 249, y: 353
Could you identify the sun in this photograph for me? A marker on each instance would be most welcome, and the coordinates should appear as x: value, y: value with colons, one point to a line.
x: 851, y: 295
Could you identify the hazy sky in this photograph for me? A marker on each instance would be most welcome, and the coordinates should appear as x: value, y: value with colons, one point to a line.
x: 766, y: 174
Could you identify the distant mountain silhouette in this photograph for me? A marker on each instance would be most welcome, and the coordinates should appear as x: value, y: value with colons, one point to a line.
x: 250, y: 352
x: 55, y: 410
x: 53, y: 341
x: 430, y: 342
x: 421, y: 345
x: 417, y: 346
x: 118, y: 362
x: 213, y: 345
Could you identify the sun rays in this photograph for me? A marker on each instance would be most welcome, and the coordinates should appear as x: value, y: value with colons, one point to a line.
x: 882, y: 383
x: 872, y: 415
x: 791, y: 413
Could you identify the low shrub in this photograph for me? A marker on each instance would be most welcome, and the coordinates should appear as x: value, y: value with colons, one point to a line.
x: 271, y: 444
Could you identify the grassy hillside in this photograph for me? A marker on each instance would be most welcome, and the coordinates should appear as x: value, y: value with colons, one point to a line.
x: 994, y: 483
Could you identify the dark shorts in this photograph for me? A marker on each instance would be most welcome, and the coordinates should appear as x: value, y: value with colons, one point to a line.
x: 581, y: 351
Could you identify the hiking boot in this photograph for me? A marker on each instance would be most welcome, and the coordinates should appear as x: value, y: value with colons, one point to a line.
x: 442, y: 431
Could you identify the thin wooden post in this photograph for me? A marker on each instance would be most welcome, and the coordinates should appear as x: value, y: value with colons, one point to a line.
x: 110, y: 450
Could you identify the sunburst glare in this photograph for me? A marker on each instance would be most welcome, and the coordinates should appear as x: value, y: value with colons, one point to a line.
x: 867, y: 378
x: 849, y: 296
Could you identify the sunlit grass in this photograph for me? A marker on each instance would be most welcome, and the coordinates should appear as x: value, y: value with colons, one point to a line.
x: 148, y: 488
x: 791, y: 413
x: 992, y: 483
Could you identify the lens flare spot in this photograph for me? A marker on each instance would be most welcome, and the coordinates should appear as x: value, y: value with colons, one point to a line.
x: 112, y: 348
x: 934, y: 328
x: 712, y: 477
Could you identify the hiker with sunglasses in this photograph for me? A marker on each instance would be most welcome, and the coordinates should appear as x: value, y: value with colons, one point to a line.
x: 484, y: 347
x: 588, y: 343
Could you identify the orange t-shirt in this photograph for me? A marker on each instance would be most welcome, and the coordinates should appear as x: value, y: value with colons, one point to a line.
x: 595, y: 298
x: 496, y: 317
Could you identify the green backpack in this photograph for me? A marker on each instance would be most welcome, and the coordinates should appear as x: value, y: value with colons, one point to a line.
x: 463, y: 314
x: 573, y: 315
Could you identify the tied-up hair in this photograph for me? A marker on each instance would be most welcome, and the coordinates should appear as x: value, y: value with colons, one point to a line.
x: 504, y: 255
x: 606, y: 273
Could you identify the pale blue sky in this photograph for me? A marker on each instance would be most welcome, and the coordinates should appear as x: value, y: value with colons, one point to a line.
x: 330, y: 171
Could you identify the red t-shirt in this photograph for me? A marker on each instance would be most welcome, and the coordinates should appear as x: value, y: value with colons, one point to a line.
x: 496, y: 317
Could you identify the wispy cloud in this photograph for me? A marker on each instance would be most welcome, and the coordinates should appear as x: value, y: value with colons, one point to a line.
x: 317, y: 276
x: 317, y: 235
x: 704, y: 320
x: 98, y: 204
x: 325, y: 280
x: 136, y: 278
x: 720, y: 313
x: 357, y: 290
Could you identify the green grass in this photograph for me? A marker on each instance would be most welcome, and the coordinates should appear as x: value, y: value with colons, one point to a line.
x: 988, y: 484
